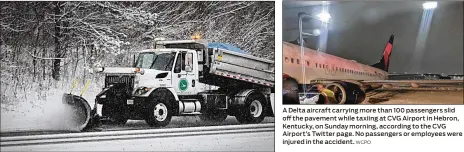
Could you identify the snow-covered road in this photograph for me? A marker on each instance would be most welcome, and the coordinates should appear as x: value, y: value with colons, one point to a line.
x: 254, y: 137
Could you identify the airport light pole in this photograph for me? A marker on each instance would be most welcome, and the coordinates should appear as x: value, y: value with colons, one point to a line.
x: 323, y: 17
x: 422, y: 34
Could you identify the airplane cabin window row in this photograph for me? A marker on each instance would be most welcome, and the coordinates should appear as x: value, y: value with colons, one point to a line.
x: 325, y: 66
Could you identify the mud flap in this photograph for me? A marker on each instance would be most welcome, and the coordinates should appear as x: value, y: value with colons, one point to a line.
x: 83, y: 116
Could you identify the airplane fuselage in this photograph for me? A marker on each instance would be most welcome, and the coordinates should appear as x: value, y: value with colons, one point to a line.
x: 322, y: 66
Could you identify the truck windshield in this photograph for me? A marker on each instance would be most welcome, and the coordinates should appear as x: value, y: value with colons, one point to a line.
x: 162, y: 61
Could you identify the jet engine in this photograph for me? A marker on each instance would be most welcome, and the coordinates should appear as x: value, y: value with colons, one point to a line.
x: 347, y: 93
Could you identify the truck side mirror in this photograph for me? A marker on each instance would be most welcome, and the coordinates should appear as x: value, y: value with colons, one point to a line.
x: 188, y: 62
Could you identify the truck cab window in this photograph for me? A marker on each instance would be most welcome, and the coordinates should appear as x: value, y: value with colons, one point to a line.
x: 179, y: 62
x: 151, y: 60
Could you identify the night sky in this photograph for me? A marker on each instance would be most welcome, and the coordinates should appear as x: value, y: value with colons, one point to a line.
x: 360, y: 30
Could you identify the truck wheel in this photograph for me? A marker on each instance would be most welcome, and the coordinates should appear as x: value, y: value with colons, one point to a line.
x: 214, y: 116
x: 159, y: 111
x: 254, y: 110
x: 115, y: 113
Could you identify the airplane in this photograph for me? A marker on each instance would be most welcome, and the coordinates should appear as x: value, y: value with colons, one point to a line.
x: 348, y: 79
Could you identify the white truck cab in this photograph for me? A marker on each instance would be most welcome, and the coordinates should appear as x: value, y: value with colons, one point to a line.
x: 167, y: 68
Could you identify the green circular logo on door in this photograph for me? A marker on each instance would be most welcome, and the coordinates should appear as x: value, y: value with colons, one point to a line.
x: 183, y: 84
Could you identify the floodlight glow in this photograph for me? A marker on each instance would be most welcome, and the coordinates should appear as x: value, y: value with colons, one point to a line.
x: 429, y: 5
x: 324, y: 16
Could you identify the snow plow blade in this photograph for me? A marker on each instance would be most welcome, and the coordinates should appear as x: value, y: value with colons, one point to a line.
x: 83, y: 117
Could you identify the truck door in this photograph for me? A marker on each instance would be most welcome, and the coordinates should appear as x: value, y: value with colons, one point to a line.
x: 183, y: 77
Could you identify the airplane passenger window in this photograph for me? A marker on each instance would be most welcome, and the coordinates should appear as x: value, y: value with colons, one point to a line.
x: 297, y: 61
x: 292, y: 60
x: 286, y: 59
x: 307, y: 63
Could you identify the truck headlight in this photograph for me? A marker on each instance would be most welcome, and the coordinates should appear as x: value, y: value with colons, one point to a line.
x: 142, y: 90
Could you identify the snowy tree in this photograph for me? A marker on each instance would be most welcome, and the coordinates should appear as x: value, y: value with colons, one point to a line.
x: 44, y: 44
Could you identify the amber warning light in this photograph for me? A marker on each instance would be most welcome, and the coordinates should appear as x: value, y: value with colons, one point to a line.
x: 196, y: 36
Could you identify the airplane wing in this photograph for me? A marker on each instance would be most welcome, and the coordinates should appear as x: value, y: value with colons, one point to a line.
x: 378, y: 82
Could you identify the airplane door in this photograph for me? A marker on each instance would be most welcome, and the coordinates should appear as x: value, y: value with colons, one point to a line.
x: 327, y: 69
x: 183, y: 78
x: 333, y: 71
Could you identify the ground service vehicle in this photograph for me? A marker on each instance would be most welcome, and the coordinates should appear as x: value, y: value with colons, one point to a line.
x: 186, y: 77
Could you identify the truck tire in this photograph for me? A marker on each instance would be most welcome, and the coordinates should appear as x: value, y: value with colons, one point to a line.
x: 159, y: 111
x: 115, y: 113
x: 214, y: 116
x: 254, y: 110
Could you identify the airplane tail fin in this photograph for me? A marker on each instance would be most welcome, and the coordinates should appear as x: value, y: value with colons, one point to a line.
x: 384, y: 63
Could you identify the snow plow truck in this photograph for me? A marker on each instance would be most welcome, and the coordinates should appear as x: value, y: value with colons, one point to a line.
x: 178, y: 78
